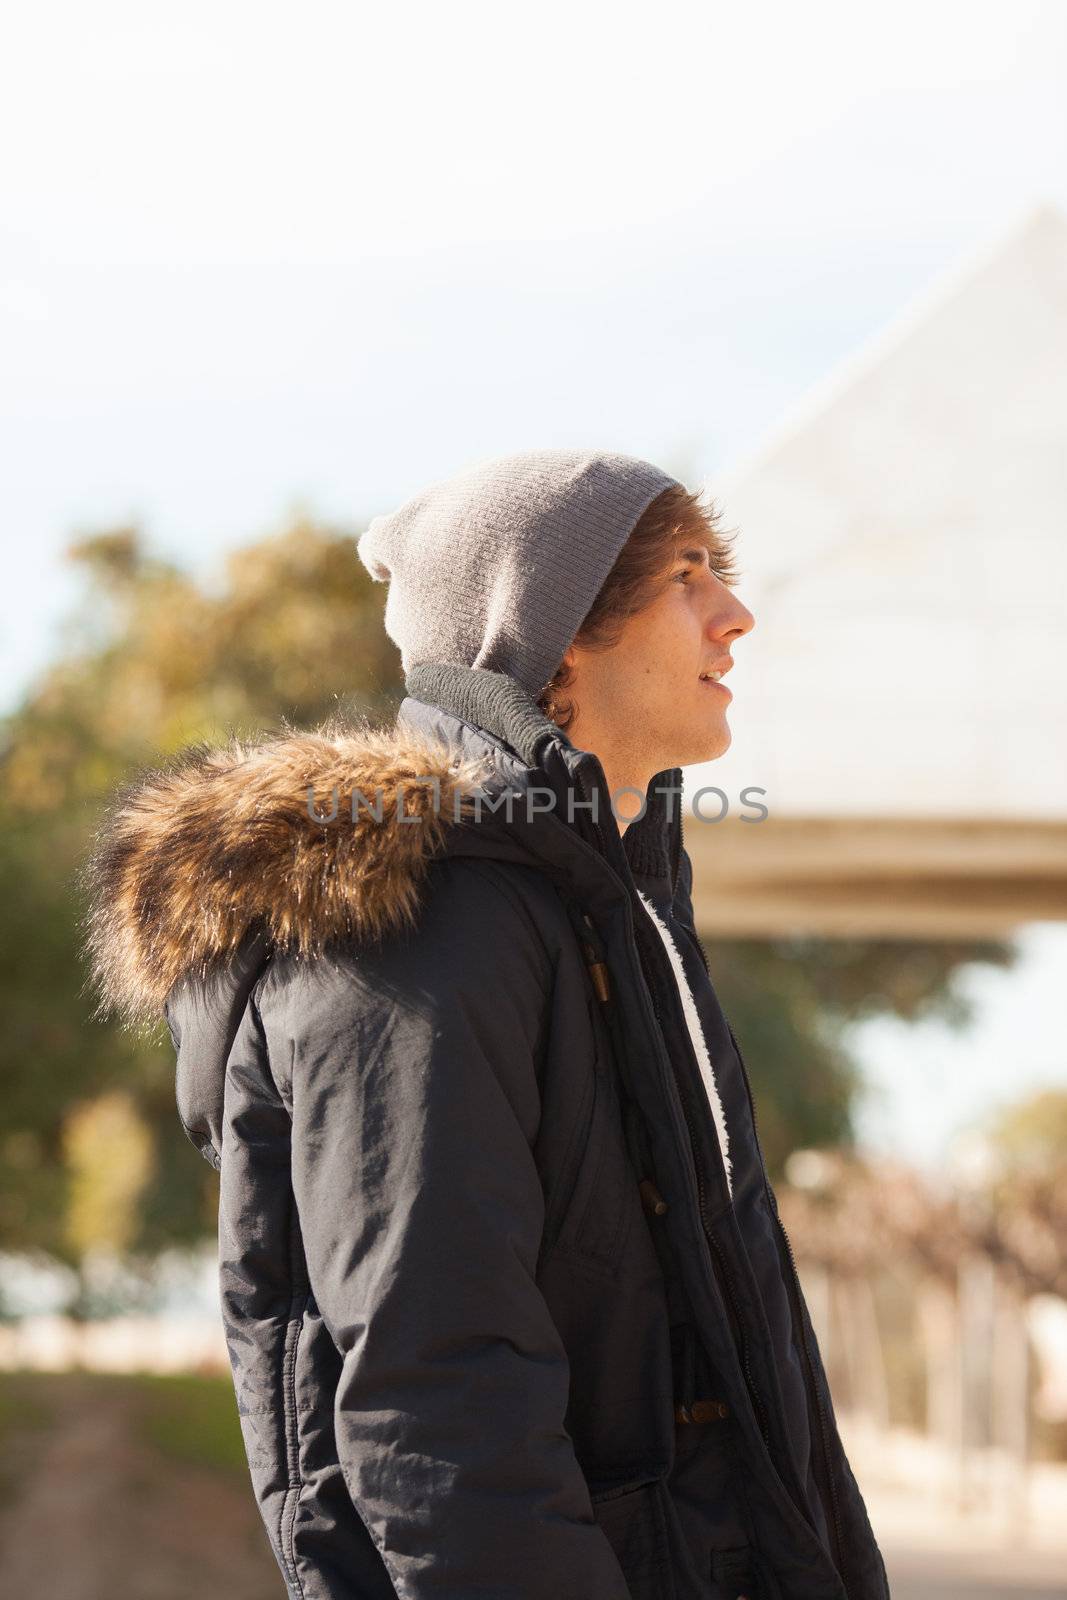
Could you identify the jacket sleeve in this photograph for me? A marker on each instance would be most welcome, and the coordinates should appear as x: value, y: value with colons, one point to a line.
x: 414, y: 1103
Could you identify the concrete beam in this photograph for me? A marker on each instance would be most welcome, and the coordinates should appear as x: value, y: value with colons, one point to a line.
x: 876, y: 877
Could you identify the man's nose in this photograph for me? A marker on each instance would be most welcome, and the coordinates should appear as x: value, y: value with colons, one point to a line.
x: 736, y: 621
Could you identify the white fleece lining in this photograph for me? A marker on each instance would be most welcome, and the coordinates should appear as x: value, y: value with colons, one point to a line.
x: 696, y: 1033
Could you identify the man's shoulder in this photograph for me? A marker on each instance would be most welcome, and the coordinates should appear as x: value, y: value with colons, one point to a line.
x: 507, y: 897
x: 481, y: 927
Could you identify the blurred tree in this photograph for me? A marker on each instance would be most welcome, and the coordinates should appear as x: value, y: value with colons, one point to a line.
x: 1030, y: 1137
x: 157, y: 659
x: 793, y: 1002
x: 853, y: 1214
x: 154, y: 660
x: 1028, y: 1225
x: 108, y: 1152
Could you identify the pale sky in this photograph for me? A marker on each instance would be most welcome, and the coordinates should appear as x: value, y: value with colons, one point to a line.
x: 256, y: 256
x: 253, y: 257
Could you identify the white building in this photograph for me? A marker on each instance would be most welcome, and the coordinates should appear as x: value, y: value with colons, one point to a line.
x: 903, y: 697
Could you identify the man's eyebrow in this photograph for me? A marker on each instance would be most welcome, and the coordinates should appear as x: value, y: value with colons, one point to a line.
x: 694, y: 553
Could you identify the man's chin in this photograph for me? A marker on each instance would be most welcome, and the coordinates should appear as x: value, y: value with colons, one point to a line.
x: 713, y: 744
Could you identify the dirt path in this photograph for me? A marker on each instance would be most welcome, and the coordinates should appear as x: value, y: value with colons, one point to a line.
x: 927, y: 1575
x: 92, y: 1513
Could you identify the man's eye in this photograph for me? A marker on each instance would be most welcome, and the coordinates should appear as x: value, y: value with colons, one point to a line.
x: 680, y: 577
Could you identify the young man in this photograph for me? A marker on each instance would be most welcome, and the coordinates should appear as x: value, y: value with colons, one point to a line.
x: 509, y: 1309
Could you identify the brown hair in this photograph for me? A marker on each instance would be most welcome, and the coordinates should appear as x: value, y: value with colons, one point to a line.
x: 677, y: 516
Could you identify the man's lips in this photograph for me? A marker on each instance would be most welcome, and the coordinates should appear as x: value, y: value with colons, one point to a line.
x: 721, y: 667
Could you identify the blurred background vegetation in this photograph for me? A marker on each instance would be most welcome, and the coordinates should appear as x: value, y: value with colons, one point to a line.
x: 154, y: 662
x: 93, y: 1155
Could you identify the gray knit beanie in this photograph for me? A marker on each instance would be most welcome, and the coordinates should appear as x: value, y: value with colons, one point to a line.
x: 499, y: 566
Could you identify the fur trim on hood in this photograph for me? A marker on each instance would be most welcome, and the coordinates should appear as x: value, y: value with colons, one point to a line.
x: 192, y: 857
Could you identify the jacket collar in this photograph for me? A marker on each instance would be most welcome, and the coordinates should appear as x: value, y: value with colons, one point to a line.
x: 496, y: 704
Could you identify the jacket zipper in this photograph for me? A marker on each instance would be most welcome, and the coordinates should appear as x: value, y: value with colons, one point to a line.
x: 829, y: 1487
x: 718, y: 1255
x: 814, y: 1396
x: 725, y: 1275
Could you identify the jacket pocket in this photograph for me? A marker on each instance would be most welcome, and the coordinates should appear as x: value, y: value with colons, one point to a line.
x: 631, y: 1516
x: 732, y: 1569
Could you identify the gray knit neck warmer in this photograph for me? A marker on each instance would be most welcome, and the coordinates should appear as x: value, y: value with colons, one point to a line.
x: 499, y: 566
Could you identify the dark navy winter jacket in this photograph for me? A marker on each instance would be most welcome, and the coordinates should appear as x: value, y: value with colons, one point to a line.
x: 497, y: 1326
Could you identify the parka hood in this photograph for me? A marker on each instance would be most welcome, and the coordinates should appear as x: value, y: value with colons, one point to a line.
x: 264, y: 840
x: 206, y: 865
x: 294, y: 838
